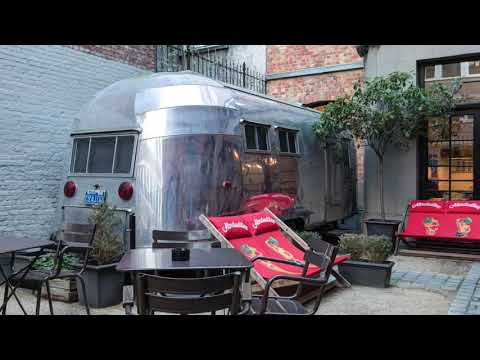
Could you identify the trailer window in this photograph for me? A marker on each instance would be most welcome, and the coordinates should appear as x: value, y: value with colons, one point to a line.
x: 256, y: 137
x: 288, y: 141
x: 102, y: 154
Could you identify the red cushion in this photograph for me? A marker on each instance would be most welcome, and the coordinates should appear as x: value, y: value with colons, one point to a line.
x: 429, y: 206
x: 260, y: 222
x: 231, y: 227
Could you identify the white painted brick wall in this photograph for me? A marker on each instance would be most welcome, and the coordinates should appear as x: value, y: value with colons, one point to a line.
x: 42, y: 88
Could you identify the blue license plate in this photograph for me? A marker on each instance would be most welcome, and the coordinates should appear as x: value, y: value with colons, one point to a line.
x: 95, y: 197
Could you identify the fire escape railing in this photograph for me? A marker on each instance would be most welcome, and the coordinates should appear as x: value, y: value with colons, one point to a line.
x: 209, y: 64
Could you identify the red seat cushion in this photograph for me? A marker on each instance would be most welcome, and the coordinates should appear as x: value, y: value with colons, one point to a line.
x: 446, y: 220
x: 231, y: 227
x: 260, y: 222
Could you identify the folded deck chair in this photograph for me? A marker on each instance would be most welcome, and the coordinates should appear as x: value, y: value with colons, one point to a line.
x: 264, y: 234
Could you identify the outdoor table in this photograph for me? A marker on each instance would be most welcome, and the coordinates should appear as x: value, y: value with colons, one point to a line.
x: 10, y: 244
x: 148, y: 260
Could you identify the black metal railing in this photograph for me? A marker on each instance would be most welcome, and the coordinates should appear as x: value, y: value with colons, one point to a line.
x: 214, y: 65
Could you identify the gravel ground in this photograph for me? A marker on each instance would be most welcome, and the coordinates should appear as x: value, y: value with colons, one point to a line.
x: 361, y: 300
x: 357, y: 300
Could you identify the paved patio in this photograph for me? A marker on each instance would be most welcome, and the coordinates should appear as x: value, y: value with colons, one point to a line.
x: 418, y: 286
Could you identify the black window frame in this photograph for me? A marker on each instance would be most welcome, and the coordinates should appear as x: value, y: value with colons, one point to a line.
x: 288, y: 132
x: 90, y: 136
x: 256, y: 126
x: 459, y: 110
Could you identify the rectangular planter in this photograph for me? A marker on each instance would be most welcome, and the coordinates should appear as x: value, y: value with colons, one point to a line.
x: 383, y: 227
x: 367, y: 273
x: 62, y: 290
x: 104, y: 286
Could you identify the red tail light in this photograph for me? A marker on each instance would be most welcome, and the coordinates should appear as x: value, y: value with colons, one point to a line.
x: 125, y: 190
x: 69, y: 189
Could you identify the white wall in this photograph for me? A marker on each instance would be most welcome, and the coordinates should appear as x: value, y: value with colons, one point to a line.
x: 41, y: 90
x: 400, y: 166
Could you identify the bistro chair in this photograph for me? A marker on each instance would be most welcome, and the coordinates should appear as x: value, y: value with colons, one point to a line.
x: 72, y: 238
x: 188, y: 296
x: 321, y: 254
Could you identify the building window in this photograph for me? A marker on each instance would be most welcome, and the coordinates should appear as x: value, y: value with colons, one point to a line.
x: 452, y: 70
x: 102, y: 154
x: 450, y: 167
x: 288, y: 141
x: 256, y: 137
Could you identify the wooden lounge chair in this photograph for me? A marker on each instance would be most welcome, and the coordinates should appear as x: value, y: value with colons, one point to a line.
x: 264, y: 234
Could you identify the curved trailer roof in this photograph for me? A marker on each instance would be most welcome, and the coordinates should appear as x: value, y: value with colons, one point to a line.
x: 115, y: 107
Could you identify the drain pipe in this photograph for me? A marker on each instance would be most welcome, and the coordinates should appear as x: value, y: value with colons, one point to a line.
x: 325, y: 170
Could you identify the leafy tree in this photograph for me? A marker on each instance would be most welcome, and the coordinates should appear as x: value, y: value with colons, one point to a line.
x: 384, y: 111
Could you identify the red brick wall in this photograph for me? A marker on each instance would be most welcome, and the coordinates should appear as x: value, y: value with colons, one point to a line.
x: 282, y: 58
x: 308, y: 89
x: 142, y: 56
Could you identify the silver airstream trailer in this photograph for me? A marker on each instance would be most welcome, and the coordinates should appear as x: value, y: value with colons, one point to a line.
x: 168, y: 147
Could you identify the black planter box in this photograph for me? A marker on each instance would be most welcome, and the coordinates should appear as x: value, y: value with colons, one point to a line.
x: 383, y: 227
x: 104, y: 286
x: 367, y: 273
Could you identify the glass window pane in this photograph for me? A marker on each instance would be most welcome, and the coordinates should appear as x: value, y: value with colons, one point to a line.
x: 123, y: 155
x: 462, y: 127
x: 101, y: 155
x: 429, y: 72
x: 438, y: 153
x: 437, y: 186
x: 262, y: 138
x: 283, y: 141
x: 438, y: 129
x: 451, y: 70
x: 250, y: 136
x: 291, y: 142
x: 461, y: 186
x: 81, y: 153
x: 474, y: 67
x: 461, y: 196
x: 436, y: 195
x: 462, y: 153
x: 461, y: 173
x: 438, y: 173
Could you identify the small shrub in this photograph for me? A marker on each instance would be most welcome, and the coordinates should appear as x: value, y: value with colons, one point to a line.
x: 353, y: 244
x: 378, y: 248
x: 373, y: 248
x: 107, y: 247
x: 47, y: 262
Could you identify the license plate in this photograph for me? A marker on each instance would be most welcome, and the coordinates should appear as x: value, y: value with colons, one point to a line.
x: 95, y: 197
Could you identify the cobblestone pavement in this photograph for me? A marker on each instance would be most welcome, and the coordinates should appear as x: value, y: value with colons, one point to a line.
x: 465, y: 290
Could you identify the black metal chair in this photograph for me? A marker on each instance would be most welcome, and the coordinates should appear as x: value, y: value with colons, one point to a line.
x: 188, y: 296
x: 73, y: 238
x: 321, y: 254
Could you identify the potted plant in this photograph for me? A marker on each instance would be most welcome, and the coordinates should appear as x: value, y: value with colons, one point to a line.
x: 385, y: 111
x: 61, y: 289
x: 368, y: 263
x: 102, y: 281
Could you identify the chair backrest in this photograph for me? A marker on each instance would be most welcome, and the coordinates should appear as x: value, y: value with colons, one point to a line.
x: 188, y: 296
x: 80, y: 237
x: 321, y: 254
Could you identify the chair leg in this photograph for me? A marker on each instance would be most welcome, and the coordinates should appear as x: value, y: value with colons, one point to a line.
x: 5, y: 297
x: 49, y: 295
x: 84, y: 290
x: 39, y: 297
